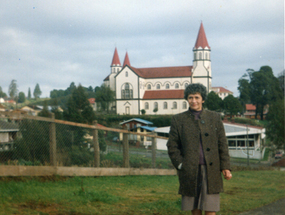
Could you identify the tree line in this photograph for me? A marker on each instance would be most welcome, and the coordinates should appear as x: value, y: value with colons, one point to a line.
x: 20, y: 97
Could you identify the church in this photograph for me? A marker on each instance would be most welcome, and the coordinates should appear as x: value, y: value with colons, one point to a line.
x: 158, y: 90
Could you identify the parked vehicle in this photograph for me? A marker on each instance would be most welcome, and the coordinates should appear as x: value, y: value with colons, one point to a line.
x: 278, y: 155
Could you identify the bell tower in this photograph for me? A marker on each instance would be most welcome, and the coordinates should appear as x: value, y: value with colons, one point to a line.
x: 202, y: 71
x: 115, y: 68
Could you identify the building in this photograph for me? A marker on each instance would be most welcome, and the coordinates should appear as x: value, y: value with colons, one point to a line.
x: 222, y: 92
x: 158, y: 90
x: 250, y: 110
x: 239, y: 136
x: 8, y: 133
x: 140, y: 126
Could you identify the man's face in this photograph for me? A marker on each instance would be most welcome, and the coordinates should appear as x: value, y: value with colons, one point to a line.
x: 195, y: 101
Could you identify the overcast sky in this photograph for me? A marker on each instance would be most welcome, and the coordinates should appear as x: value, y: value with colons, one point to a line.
x: 54, y: 43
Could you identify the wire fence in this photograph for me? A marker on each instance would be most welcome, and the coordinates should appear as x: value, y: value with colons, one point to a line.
x: 38, y: 141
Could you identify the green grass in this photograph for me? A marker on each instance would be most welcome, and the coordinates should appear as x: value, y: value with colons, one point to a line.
x: 130, y: 194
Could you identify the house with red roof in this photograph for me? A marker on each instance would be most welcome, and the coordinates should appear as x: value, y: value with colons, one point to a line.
x: 158, y: 90
x: 222, y: 92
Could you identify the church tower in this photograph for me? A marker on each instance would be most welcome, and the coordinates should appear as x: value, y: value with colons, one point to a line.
x: 115, y: 69
x: 202, y: 71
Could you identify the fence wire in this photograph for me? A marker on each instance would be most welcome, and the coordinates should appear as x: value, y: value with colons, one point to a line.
x: 28, y: 142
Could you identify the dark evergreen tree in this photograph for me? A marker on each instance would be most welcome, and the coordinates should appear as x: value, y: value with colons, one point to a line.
x: 22, y: 97
x: 29, y: 93
x: 213, y: 102
x: 231, y: 105
x: 13, y: 89
x: 2, y: 94
x: 37, y: 91
x: 104, y: 96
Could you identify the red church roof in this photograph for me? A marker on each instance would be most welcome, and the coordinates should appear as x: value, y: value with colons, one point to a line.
x: 127, y: 61
x: 116, y: 60
x: 163, y: 94
x: 201, y: 39
x: 107, y: 78
x: 163, y: 72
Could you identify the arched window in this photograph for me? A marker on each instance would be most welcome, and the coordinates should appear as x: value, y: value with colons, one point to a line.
x: 118, y: 70
x: 127, y: 74
x: 176, y: 86
x: 200, y: 55
x: 164, y: 105
x: 184, y: 105
x: 114, y: 70
x: 146, y: 106
x: 206, y: 55
x: 195, y: 56
x: 167, y: 86
x: 127, y: 92
x: 158, y: 86
x: 149, y: 87
x: 155, y: 105
x: 174, y: 105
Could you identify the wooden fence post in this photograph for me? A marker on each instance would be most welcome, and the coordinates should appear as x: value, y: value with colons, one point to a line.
x: 52, y: 141
x: 126, y: 160
x: 96, y: 146
x: 153, y: 150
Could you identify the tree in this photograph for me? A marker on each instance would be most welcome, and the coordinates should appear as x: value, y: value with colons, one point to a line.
x: 275, y: 128
x: 264, y: 88
x: 231, y: 105
x: 213, y: 102
x: 104, y: 96
x: 281, y: 79
x: 2, y: 94
x: 37, y: 91
x: 13, y: 89
x: 78, y: 107
x: 70, y: 89
x: 29, y: 93
x: 22, y: 97
x: 143, y: 111
x: 244, y: 90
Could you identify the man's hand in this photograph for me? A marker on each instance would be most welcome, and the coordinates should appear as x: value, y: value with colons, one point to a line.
x: 227, y: 174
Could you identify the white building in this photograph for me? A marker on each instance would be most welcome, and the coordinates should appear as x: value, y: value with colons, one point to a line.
x: 222, y: 92
x: 239, y: 136
x: 158, y: 90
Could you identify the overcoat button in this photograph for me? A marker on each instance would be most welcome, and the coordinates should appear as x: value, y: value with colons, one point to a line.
x: 202, y: 121
x: 208, y: 149
x: 206, y: 134
x: 211, y: 163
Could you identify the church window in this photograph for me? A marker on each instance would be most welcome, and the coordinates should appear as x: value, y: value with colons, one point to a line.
x: 158, y: 86
x: 127, y: 74
x: 176, y: 86
x: 206, y: 55
x: 164, y: 105
x: 184, y: 105
x: 155, y: 105
x: 174, y: 105
x: 114, y: 70
x: 146, y: 106
x: 118, y: 70
x: 167, y: 86
x: 195, y: 56
x: 200, y: 55
x: 127, y: 93
x: 148, y: 86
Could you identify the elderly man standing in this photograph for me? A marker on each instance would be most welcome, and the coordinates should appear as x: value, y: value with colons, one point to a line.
x: 198, y: 149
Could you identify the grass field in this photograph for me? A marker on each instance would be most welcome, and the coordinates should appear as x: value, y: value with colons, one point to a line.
x: 130, y: 194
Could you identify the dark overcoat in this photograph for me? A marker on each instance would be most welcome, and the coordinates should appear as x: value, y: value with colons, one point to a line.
x: 183, y: 147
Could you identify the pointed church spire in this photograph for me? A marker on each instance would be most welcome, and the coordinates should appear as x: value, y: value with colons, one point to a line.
x: 116, y: 60
x: 127, y: 61
x: 201, y: 39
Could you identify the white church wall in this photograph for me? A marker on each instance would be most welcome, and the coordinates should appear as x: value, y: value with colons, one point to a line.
x: 161, y: 107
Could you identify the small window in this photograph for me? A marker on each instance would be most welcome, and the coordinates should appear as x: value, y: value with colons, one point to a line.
x: 174, y: 105
x: 158, y: 86
x: 146, y: 106
x: 200, y: 55
x: 118, y: 70
x: 195, y: 56
x: 164, y: 105
x: 149, y: 87
x: 206, y: 55
x: 127, y: 74
x: 155, y: 105
x: 176, y: 86
x: 184, y: 105
x: 167, y: 86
